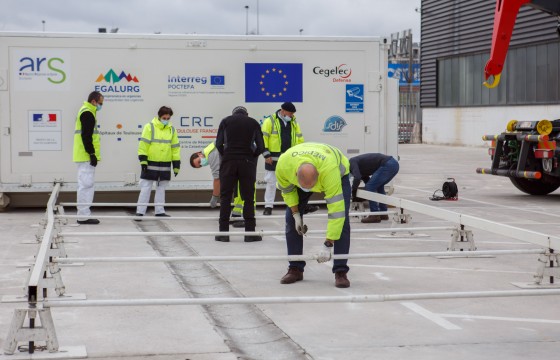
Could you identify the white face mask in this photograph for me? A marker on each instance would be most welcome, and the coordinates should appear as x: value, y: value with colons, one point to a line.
x: 305, y: 189
x: 287, y: 118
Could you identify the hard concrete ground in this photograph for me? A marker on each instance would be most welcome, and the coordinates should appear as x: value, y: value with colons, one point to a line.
x: 505, y: 328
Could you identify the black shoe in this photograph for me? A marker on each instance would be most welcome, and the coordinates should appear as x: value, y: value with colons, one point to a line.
x: 138, y: 214
x: 267, y: 211
x: 88, y: 222
x: 221, y: 238
x: 310, y: 209
x: 163, y: 215
x: 238, y: 224
x: 251, y: 238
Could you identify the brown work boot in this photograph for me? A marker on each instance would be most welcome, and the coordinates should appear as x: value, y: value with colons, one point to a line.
x: 384, y: 217
x: 370, y: 219
x: 340, y: 279
x: 293, y: 275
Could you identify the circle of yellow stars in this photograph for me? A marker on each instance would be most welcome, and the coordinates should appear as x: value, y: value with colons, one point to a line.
x: 274, y: 71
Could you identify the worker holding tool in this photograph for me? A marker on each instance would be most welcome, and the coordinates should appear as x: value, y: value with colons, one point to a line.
x: 302, y: 170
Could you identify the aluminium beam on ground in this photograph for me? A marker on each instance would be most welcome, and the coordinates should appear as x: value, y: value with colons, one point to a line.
x: 35, y: 281
x: 241, y: 233
x: 212, y: 218
x: 279, y: 203
x: 306, y: 299
x: 291, y: 257
x: 534, y: 237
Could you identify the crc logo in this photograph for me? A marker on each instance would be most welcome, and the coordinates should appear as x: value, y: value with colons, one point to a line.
x: 334, y: 123
x: 343, y: 71
x: 43, y: 67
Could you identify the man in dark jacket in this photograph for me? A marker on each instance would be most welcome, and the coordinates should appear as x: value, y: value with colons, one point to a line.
x: 375, y: 170
x: 239, y: 142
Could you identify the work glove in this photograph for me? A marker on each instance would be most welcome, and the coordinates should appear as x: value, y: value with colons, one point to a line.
x: 301, y: 228
x: 93, y: 160
x: 144, y: 167
x: 324, y: 254
x: 176, y: 172
x: 214, y: 201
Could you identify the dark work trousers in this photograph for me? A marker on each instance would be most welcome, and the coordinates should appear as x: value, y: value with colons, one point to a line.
x: 294, y: 241
x: 378, y: 180
x: 231, y: 172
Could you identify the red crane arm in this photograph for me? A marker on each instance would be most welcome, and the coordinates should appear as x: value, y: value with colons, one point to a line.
x: 504, y: 20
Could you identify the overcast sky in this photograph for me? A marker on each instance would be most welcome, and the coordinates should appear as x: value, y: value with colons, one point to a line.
x: 276, y: 17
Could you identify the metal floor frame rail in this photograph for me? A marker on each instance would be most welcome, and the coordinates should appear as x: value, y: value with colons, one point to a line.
x: 549, y: 241
x: 51, y: 253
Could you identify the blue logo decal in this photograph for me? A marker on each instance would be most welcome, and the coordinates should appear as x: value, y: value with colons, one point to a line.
x: 334, y: 123
x: 354, y: 98
x: 217, y: 80
x: 267, y: 82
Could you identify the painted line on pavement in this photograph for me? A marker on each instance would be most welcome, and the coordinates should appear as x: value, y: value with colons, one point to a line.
x: 498, y: 318
x: 436, y: 318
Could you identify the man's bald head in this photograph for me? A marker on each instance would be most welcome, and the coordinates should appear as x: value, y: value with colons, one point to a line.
x: 307, y: 175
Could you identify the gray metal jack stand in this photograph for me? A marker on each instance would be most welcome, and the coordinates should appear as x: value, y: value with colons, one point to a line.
x: 548, y: 268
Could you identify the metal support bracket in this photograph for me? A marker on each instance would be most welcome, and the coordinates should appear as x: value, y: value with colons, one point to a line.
x: 41, y: 231
x: 59, y: 210
x: 401, y: 217
x: 548, y: 268
x: 461, y: 240
x: 358, y: 206
x: 18, y: 333
x: 551, y: 271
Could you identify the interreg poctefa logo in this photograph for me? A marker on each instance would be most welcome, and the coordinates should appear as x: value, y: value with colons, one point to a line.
x: 42, y: 67
x: 334, y: 123
x: 122, y: 83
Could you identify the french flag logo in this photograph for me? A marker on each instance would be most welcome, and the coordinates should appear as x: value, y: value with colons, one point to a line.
x: 42, y: 117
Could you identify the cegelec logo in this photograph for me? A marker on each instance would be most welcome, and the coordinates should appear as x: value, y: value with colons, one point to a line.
x: 340, y: 73
x: 112, y: 78
x: 334, y: 123
x: 42, y: 67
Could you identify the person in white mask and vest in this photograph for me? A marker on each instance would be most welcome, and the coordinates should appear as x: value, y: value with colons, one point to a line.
x: 159, y: 153
x: 87, y: 154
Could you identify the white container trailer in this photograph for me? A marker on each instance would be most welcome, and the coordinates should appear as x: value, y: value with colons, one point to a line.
x: 339, y: 86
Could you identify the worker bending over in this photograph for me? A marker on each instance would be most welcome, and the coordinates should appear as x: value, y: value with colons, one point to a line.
x: 302, y: 170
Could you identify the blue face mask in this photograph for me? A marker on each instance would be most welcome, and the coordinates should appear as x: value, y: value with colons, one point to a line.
x: 164, y: 122
x: 98, y: 107
x: 306, y: 190
x: 203, y: 162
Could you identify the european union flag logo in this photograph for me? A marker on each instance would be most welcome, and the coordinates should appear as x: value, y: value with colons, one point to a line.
x: 217, y: 80
x: 266, y: 82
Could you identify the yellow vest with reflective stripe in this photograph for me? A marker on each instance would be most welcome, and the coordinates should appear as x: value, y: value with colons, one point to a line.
x: 159, y: 143
x: 80, y: 153
x: 272, y: 133
x: 207, y: 150
x: 331, y: 164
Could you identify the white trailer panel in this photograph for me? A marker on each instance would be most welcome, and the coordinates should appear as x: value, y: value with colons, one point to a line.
x: 339, y: 86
